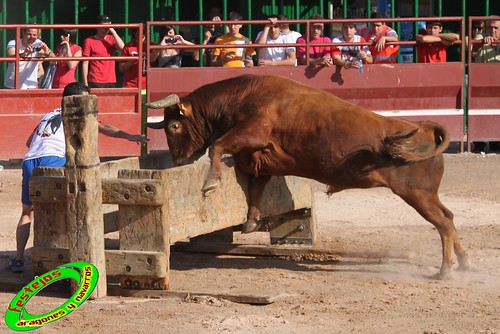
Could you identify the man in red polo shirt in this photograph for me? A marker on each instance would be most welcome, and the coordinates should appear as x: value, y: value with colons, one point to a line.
x: 431, y: 48
x: 129, y: 67
x: 101, y: 73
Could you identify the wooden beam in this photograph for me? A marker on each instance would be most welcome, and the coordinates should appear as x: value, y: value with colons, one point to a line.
x: 256, y: 299
x: 136, y: 263
x: 84, y: 196
x: 132, y: 192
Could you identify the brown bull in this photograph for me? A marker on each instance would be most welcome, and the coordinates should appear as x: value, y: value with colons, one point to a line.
x: 276, y: 126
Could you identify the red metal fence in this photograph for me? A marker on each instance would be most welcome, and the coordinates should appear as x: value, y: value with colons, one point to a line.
x: 21, y: 110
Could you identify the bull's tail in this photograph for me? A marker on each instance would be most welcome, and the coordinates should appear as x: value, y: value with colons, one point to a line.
x: 423, y: 141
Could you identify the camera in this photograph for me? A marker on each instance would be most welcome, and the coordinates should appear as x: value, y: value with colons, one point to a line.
x: 171, y: 40
x: 37, y: 49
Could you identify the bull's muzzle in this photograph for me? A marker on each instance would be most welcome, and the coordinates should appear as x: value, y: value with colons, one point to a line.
x: 166, y: 102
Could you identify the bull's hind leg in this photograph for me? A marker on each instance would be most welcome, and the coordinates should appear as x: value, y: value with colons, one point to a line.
x: 428, y: 206
x: 256, y: 189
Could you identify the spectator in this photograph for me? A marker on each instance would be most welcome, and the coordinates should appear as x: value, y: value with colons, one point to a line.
x: 233, y: 57
x: 379, y: 34
x: 101, y: 73
x: 348, y: 56
x: 172, y: 57
x: 290, y: 35
x: 276, y: 56
x: 214, y: 14
x: 47, y: 147
x: 489, y: 53
x: 29, y: 70
x: 211, y: 33
x: 318, y: 55
x: 129, y: 67
x: 66, y: 69
x: 477, y: 35
x: 431, y: 47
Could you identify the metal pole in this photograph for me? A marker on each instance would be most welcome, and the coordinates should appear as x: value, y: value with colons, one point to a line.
x: 345, y: 9
x: 77, y: 16
x: 27, y: 11
x: 200, y: 33
x: 249, y: 8
x: 415, y: 27
x: 101, y: 7
x: 51, y: 21
x: 487, y: 9
x: 126, y: 12
x: 440, y: 8
x: 368, y: 8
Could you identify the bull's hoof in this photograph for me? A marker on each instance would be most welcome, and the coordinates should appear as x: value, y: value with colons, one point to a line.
x: 210, y: 186
x: 250, y: 226
x: 443, y: 275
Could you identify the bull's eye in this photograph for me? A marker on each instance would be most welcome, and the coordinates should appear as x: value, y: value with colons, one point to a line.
x: 174, y: 126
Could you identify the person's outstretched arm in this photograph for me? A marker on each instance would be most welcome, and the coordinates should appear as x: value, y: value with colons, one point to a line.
x: 112, y: 131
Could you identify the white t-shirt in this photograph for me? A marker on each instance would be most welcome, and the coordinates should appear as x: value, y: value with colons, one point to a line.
x: 48, y: 138
x: 28, y: 69
x: 348, y: 51
x: 292, y: 37
x: 274, y: 53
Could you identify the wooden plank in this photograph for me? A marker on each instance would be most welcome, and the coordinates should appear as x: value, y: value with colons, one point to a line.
x: 48, y: 189
x: 132, y: 192
x: 84, y: 201
x: 48, y: 258
x: 299, y: 252
x: 191, y: 214
x: 114, y: 290
x: 118, y: 262
x: 109, y: 169
x: 145, y: 228
x: 136, y: 263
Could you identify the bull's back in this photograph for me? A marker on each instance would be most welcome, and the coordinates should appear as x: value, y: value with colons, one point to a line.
x: 318, y: 135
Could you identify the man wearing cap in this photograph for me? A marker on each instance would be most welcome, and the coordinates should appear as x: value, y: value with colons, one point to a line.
x: 431, y: 48
x: 101, y: 73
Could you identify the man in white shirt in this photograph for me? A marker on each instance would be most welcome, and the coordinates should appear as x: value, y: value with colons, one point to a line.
x: 47, y: 148
x: 29, y: 70
x: 345, y: 55
x: 274, y: 56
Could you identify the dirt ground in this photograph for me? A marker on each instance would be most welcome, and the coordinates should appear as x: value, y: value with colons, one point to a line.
x: 381, y: 284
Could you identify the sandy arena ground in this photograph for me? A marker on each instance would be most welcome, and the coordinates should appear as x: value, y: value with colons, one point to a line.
x: 383, y: 283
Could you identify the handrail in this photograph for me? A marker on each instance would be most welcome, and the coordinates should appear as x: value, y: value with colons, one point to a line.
x: 151, y: 24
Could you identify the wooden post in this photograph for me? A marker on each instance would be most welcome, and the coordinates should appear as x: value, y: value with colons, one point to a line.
x: 84, y: 201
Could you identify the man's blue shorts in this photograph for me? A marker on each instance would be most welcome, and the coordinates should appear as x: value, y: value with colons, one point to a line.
x: 29, y: 165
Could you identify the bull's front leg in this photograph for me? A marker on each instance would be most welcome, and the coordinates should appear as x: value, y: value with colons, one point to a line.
x: 213, y: 178
x: 231, y: 143
x: 256, y: 188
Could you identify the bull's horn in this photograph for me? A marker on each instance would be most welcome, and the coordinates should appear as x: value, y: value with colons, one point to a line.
x: 164, y: 103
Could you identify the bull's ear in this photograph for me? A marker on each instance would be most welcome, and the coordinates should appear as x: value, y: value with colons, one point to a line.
x: 183, y: 110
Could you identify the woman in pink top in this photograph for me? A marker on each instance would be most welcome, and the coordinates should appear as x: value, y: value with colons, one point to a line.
x: 66, y: 69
